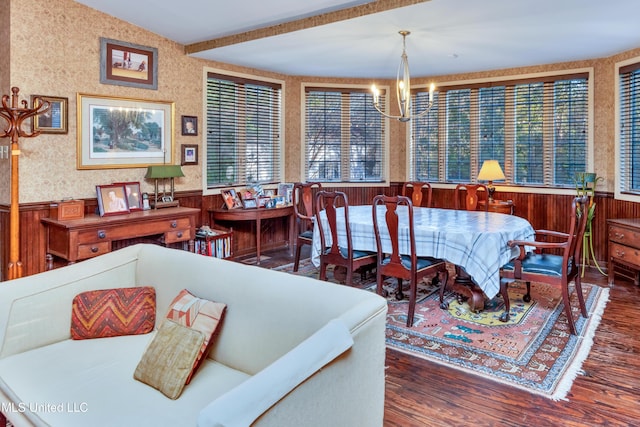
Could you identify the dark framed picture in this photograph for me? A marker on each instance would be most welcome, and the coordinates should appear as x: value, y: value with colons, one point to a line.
x: 190, y: 125
x: 231, y: 198
x: 133, y: 194
x: 189, y: 154
x: 128, y: 64
x: 55, y: 119
x: 112, y: 199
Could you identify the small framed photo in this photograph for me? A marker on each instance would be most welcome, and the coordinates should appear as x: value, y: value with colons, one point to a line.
x: 249, y: 203
x: 189, y: 154
x: 134, y: 196
x: 55, y: 119
x: 285, y: 189
x: 128, y: 64
x: 231, y: 198
x: 190, y: 125
x: 112, y: 199
x: 269, y: 192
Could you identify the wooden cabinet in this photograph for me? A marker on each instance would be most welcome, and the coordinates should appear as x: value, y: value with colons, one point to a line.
x: 75, y: 240
x: 624, y: 248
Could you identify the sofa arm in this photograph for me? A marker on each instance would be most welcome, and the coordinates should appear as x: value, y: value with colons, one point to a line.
x: 242, y: 405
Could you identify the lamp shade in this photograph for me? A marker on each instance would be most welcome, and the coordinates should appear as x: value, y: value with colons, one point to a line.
x: 491, y: 171
x: 164, y: 171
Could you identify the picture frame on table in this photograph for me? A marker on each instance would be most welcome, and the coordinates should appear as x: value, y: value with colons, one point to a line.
x: 133, y: 195
x: 285, y: 189
x: 112, y: 199
x: 189, y: 125
x: 144, y: 136
x: 128, y: 64
x: 55, y: 119
x: 189, y: 154
x: 249, y: 203
x: 231, y: 198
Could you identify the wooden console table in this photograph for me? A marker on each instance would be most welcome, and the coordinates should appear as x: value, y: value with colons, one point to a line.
x: 75, y: 240
x: 624, y: 248
x: 257, y: 215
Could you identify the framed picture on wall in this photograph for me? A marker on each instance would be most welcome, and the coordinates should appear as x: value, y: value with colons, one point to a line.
x: 190, y: 125
x: 55, y: 119
x: 128, y: 64
x: 189, y: 154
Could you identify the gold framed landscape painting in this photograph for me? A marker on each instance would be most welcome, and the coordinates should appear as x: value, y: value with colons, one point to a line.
x: 116, y: 132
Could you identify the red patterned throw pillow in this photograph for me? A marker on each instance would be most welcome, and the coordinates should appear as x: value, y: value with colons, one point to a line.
x: 113, y: 312
x: 199, y: 314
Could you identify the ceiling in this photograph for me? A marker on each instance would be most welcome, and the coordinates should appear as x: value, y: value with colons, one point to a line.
x: 447, y: 36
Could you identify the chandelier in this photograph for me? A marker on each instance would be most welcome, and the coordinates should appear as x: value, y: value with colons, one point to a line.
x: 403, y: 89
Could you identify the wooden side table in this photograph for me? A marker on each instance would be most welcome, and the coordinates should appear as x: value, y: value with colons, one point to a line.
x: 499, y: 206
x: 257, y: 215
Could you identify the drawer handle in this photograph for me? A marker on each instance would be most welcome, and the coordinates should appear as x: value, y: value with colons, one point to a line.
x: 102, y: 234
x: 174, y: 224
x: 619, y: 253
x: 619, y: 236
x: 179, y: 234
x: 94, y: 249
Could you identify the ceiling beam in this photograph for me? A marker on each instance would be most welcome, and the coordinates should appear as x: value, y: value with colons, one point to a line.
x: 301, y: 24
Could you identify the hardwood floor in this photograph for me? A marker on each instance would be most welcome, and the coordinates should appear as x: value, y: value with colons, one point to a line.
x: 422, y: 393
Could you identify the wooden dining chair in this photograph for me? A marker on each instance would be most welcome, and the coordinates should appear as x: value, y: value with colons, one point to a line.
x: 469, y: 196
x: 417, y: 191
x: 403, y: 266
x: 332, y: 253
x: 559, y: 268
x: 304, y: 208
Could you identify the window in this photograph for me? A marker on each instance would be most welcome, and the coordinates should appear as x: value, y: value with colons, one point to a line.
x: 537, y: 129
x: 344, y: 136
x: 628, y: 149
x: 243, y: 143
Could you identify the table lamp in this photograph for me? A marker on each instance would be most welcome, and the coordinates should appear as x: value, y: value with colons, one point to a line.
x: 491, y: 171
x: 163, y: 172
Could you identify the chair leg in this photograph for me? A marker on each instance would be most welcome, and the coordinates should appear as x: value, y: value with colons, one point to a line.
x: 413, y: 290
x: 379, y: 288
x: 527, y: 296
x: 399, y: 293
x: 296, y: 263
x: 323, y: 271
x: 567, y: 309
x: 583, y: 307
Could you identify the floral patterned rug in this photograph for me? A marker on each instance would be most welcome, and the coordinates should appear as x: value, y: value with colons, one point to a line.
x: 534, y: 351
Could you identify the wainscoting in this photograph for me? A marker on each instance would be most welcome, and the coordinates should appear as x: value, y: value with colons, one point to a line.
x: 542, y: 210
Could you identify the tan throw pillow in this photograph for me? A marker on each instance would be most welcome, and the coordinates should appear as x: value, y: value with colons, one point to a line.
x: 199, y: 314
x: 169, y: 358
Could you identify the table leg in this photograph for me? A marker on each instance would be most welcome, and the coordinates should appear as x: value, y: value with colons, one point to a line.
x: 463, y: 285
x: 258, y: 239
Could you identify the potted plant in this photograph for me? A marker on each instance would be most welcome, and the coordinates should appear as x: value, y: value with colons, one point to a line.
x: 586, y: 186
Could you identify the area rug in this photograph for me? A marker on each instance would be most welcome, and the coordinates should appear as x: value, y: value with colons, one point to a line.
x: 534, y: 351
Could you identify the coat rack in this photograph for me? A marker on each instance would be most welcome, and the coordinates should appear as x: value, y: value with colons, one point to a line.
x: 15, y: 116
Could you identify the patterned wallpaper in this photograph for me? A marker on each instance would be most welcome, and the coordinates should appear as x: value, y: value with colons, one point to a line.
x: 55, y: 51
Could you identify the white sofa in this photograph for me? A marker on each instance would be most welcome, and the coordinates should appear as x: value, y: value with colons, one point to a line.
x: 291, y: 351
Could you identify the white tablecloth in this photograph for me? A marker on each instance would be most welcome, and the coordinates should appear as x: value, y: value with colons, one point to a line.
x: 473, y: 240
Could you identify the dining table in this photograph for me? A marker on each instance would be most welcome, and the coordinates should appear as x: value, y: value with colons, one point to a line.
x: 475, y: 241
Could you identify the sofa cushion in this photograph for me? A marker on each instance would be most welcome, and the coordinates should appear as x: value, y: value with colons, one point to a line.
x: 113, y: 312
x: 199, y: 314
x: 93, y: 380
x: 168, y: 361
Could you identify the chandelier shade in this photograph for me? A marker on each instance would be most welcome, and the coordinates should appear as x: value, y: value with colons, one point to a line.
x: 403, y: 89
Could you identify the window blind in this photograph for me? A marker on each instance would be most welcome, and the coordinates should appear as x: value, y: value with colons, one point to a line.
x: 243, y: 131
x: 629, y: 156
x: 344, y: 136
x: 536, y: 128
